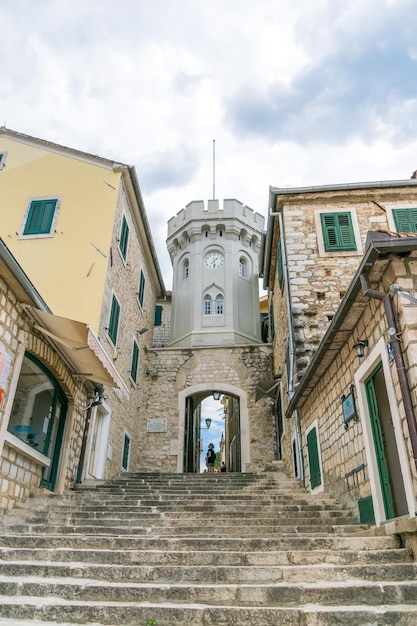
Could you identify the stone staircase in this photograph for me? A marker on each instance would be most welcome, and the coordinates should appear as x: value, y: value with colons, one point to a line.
x: 199, y: 550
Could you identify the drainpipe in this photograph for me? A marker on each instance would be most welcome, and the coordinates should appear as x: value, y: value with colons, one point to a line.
x: 399, y: 361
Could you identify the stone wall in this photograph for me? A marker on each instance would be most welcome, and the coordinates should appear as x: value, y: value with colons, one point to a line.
x: 318, y: 279
x: 345, y: 450
x: 123, y: 280
x: 20, y: 466
x: 172, y: 371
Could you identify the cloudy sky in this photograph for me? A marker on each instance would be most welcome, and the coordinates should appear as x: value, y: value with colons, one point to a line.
x: 293, y: 93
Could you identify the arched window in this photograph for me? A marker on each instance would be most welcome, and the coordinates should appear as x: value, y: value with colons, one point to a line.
x: 219, y: 304
x: 38, y: 414
x: 243, y: 267
x: 207, y: 305
x: 186, y: 269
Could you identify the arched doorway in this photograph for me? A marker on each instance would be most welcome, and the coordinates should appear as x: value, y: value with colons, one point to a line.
x: 236, y: 427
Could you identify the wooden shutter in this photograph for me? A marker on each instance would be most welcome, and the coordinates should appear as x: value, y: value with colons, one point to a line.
x: 313, y: 458
x: 40, y: 216
x: 114, y: 320
x: 126, y: 450
x: 124, y: 238
x: 135, y: 361
x: 158, y: 315
x: 279, y: 262
x: 405, y: 220
x: 337, y: 231
x: 141, y: 291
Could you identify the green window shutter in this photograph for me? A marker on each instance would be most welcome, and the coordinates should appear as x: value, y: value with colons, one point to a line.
x: 141, y: 291
x: 280, y: 266
x: 114, y: 320
x: 124, y: 238
x: 405, y: 220
x: 135, y: 361
x: 126, y: 451
x: 337, y: 231
x: 40, y: 216
x: 271, y: 321
x: 158, y: 315
x: 313, y: 458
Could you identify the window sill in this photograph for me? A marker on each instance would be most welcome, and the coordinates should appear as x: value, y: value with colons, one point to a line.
x: 17, y: 444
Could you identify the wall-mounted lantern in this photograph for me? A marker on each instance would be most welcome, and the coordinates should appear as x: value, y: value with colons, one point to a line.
x: 208, y: 423
x: 217, y: 394
x: 359, y: 347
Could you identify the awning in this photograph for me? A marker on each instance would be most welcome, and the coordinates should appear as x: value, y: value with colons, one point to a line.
x: 266, y: 388
x: 80, y: 347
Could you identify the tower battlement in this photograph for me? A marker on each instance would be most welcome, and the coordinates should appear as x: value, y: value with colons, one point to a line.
x: 231, y: 209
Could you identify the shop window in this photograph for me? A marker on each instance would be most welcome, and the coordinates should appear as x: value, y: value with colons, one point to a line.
x: 39, y: 408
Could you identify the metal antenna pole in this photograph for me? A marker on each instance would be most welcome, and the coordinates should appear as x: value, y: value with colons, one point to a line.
x: 214, y: 169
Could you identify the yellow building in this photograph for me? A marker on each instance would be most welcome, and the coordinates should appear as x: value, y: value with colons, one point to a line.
x: 77, y: 226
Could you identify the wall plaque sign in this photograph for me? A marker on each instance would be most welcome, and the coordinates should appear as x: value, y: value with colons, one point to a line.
x: 156, y: 425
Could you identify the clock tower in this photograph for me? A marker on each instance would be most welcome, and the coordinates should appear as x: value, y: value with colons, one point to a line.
x: 215, y: 295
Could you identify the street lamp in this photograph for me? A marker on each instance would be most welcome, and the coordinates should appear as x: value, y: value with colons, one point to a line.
x: 208, y: 423
x: 217, y: 394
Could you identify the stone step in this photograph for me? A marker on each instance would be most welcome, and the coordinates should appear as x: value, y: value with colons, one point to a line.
x: 287, y: 542
x: 267, y: 594
x: 200, y: 550
x: 205, y: 574
x: 196, y: 557
x: 31, y: 611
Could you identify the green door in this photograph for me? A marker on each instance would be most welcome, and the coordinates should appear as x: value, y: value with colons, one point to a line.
x: 313, y: 458
x: 380, y: 448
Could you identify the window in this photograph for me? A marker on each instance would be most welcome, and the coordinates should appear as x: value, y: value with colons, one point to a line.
x: 243, y: 271
x: 219, y: 304
x: 113, y: 327
x: 338, y: 232
x: 2, y: 159
x: 405, y: 220
x: 135, y: 362
x: 186, y: 269
x: 124, y: 238
x: 158, y: 315
x: 126, y: 452
x: 141, y: 292
x: 40, y: 217
x: 207, y: 305
x: 39, y: 409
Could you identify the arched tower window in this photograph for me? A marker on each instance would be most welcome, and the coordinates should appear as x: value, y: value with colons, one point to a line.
x: 186, y: 269
x: 219, y: 304
x: 243, y: 267
x: 207, y: 305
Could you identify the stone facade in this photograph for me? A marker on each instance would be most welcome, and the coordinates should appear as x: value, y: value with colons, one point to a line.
x: 123, y: 278
x: 346, y: 454
x: 174, y: 374
x: 20, y: 465
x: 318, y: 279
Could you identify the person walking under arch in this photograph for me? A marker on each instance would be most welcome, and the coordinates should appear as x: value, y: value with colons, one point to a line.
x: 210, y: 458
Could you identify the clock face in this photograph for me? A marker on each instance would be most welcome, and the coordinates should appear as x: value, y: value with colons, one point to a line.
x: 213, y: 260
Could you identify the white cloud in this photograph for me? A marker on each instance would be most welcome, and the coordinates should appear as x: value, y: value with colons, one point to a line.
x: 294, y: 94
